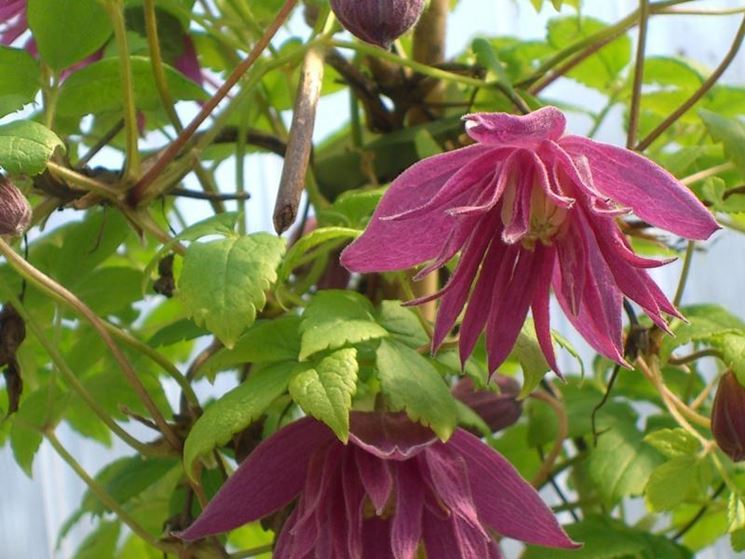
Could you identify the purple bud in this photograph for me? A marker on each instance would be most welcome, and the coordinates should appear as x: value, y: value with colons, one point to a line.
x: 15, y: 211
x: 728, y: 417
x: 378, y: 21
x: 498, y: 410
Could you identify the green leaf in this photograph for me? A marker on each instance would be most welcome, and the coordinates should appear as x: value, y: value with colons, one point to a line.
x: 728, y: 131
x: 26, y: 146
x: 528, y: 353
x: 335, y: 318
x: 325, y: 390
x: 402, y: 323
x: 19, y: 79
x: 223, y: 282
x: 606, y: 538
x: 601, y: 69
x: 41, y: 409
x: 325, y: 237
x: 705, y: 322
x: 100, y: 543
x: 235, y: 411
x: 352, y: 208
x: 411, y: 383
x: 735, y: 513
x: 66, y: 31
x: 622, y: 462
x: 737, y: 540
x: 670, y: 483
x: 732, y: 347
x: 264, y: 342
x: 97, y: 88
x: 673, y: 443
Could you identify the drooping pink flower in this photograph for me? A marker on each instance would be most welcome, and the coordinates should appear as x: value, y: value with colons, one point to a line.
x: 13, y: 21
x: 529, y: 208
x: 393, y: 488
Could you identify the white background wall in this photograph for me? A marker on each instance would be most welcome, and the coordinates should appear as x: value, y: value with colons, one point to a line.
x: 31, y: 511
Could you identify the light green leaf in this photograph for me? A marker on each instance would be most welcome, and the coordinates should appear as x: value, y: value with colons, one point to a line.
x: 673, y: 443
x: 728, y: 131
x: 601, y: 69
x: 26, y: 146
x: 732, y: 347
x: 528, y: 353
x: 66, y: 31
x: 264, y: 342
x: 100, y: 543
x: 335, y: 318
x: 223, y: 282
x: 670, y: 483
x: 412, y: 384
x: 235, y: 411
x: 402, y: 323
x: 622, y: 462
x: 19, y: 79
x: 735, y: 513
x: 97, y: 88
x: 326, y: 237
x: 325, y: 390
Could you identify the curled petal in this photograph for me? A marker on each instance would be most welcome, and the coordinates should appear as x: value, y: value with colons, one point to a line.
x: 640, y: 184
x: 390, y: 436
x: 507, y: 130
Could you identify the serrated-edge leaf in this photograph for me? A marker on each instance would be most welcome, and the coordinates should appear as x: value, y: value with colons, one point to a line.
x: 673, y: 443
x: 235, y: 411
x: 412, y: 384
x: 325, y: 390
x: 306, y: 243
x: 223, y: 283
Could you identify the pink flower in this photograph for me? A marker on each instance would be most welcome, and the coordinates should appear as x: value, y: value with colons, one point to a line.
x: 12, y: 20
x: 530, y: 209
x: 395, y: 486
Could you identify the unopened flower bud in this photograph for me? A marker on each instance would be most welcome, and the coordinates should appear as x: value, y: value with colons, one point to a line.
x: 15, y: 211
x: 498, y: 410
x: 378, y: 21
x: 728, y: 417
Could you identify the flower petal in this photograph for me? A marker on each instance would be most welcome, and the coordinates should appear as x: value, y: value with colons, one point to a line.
x: 540, y: 309
x: 376, y: 478
x: 507, y: 130
x: 505, y: 501
x: 514, y: 288
x: 406, y: 528
x: 389, y: 436
x: 396, y: 245
x: 654, y: 194
x: 598, y: 319
x: 354, y: 499
x: 456, y: 292
x: 376, y: 534
x: 271, y: 476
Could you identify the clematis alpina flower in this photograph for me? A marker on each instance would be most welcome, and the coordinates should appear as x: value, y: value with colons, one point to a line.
x: 529, y: 208
x: 727, y: 417
x: 378, y: 21
x: 12, y: 20
x: 393, y: 489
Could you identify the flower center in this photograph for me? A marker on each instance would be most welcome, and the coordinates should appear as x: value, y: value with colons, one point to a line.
x: 528, y: 214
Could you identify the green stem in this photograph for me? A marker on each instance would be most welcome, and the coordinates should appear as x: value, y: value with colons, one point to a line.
x: 69, y: 375
x: 699, y: 93
x: 84, y: 183
x: 684, y: 273
x: 138, y: 193
x: 132, y: 165
x: 60, y: 293
x: 106, y: 499
x: 423, y: 69
x: 636, y: 96
x: 246, y: 553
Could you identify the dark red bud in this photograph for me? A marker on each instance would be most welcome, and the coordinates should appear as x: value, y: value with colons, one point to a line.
x: 15, y: 211
x: 498, y: 410
x: 378, y: 21
x: 728, y: 417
